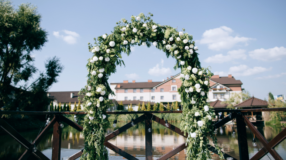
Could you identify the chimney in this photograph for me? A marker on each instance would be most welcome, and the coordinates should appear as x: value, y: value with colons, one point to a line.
x: 215, y: 76
x: 149, y: 80
x: 133, y: 81
x: 118, y: 86
x: 125, y: 81
x: 71, y: 95
x: 229, y: 76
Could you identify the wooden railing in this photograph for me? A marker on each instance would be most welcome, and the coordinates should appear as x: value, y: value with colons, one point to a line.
x: 241, y: 120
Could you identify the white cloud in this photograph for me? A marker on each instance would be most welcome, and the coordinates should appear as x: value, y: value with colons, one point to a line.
x: 272, y: 76
x: 243, y: 70
x: 159, y: 71
x: 271, y: 54
x: 69, y: 37
x: 132, y: 76
x: 221, y: 38
x: 230, y: 56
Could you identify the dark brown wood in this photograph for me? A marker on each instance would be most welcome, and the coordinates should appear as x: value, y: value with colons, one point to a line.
x: 124, y: 128
x: 119, y: 151
x: 56, y: 155
x: 26, y: 154
x: 39, y: 137
x: 71, y: 123
x: 212, y: 149
x: 242, y: 137
x: 148, y: 137
x: 76, y: 155
x: 262, y: 139
x: 173, y: 152
x: 273, y: 143
x: 225, y: 120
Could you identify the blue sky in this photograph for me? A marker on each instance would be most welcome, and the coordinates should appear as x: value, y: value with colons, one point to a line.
x: 243, y: 38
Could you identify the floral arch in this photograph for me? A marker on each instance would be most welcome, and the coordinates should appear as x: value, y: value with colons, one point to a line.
x: 107, y: 49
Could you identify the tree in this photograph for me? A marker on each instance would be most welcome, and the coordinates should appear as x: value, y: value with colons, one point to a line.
x: 168, y: 107
x: 236, y: 98
x: 148, y: 106
x: 270, y: 96
x: 20, y: 35
x: 69, y: 106
x: 161, y: 107
x: 139, y: 107
x: 60, y: 107
x: 78, y: 106
x: 74, y: 108
x: 176, y: 106
x: 155, y: 107
x: 120, y: 106
x: 143, y: 107
x: 65, y: 107
x: 51, y: 106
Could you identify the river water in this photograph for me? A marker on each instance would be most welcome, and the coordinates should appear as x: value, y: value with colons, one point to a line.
x: 133, y: 142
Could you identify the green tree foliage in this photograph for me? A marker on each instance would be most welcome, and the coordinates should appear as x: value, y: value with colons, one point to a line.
x: 236, y: 98
x: 78, y: 106
x: 161, y: 107
x: 120, y: 106
x: 51, y: 106
x: 75, y: 107
x: 143, y: 107
x: 65, y: 107
x: 69, y: 106
x: 20, y: 35
x: 60, y: 107
x: 139, y: 107
x: 168, y: 107
x: 176, y: 106
x: 148, y: 106
x: 270, y: 96
x: 155, y: 107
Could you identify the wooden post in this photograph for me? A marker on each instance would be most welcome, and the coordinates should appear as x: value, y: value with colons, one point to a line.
x: 148, y: 137
x: 56, y: 155
x: 242, y: 137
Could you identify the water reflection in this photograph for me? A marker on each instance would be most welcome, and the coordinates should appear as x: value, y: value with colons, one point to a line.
x: 133, y: 141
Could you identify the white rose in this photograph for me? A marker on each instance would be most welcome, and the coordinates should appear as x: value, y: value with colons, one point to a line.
x: 178, y: 39
x: 206, y: 82
x: 134, y: 30
x: 186, y: 47
x: 200, y: 123
x: 155, y: 43
x: 102, y: 93
x: 141, y: 34
x: 95, y: 49
x: 191, y: 46
x: 123, y: 29
x: 127, y: 25
x: 181, y: 33
x: 88, y: 94
x: 200, y: 73
x: 104, y: 36
x: 176, y: 52
x: 155, y: 30
x: 195, y: 70
x: 93, y: 72
x: 187, y: 77
x: 209, y: 117
x: 101, y: 58
x: 154, y: 27
x: 206, y: 108
x: 98, y: 90
x: 171, y: 39
x: 89, y: 88
x: 198, y: 90
x: 101, y: 70
x: 203, y: 93
x: 191, y: 89
x: 138, y: 18
x: 164, y: 42
x: 100, y: 75
x: 100, y: 99
x: 107, y: 59
x: 125, y: 42
x: 193, y: 135
x: 144, y: 25
x: 196, y: 48
x: 94, y: 58
x: 185, y: 41
x: 182, y: 75
x: 122, y: 35
x: 187, y: 90
x: 143, y: 43
x: 103, y: 116
x: 182, y: 62
x: 197, y: 114
x: 91, y: 118
x: 91, y: 61
x: 111, y: 43
x: 193, y: 102
x: 132, y: 41
x: 168, y: 47
x: 189, y: 68
x: 89, y: 104
x: 191, y: 51
x: 108, y: 50
x: 91, y: 112
x: 197, y: 86
x: 179, y: 57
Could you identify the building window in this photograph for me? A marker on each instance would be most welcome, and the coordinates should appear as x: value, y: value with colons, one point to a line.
x: 222, y: 95
x: 162, y: 97
x: 174, y: 88
x: 215, y: 96
x: 141, y: 98
x: 174, y: 97
x: 152, y: 90
x: 125, y: 98
x: 134, y: 98
x: 161, y: 89
x: 134, y: 90
x: 173, y: 80
x: 126, y: 90
x: 153, y: 97
x: 141, y: 90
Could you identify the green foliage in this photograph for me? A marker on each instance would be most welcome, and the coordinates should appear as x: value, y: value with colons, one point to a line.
x: 79, y: 106
x: 69, y: 107
x: 75, y: 107
x: 139, y: 107
x: 270, y: 96
x: 236, y: 98
x: 148, y: 106
x: 143, y: 107
x: 51, y: 106
x: 65, y: 107
x: 155, y: 107
x: 176, y: 106
x: 161, y: 107
x: 168, y: 108
x: 120, y: 106
x: 21, y: 34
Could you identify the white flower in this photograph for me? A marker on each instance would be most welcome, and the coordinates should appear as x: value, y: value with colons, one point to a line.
x: 178, y: 38
x: 91, y: 118
x: 101, y: 70
x: 138, y: 18
x: 187, y: 77
x: 191, y: 46
x: 98, y: 104
x: 155, y: 43
x: 154, y: 27
x: 197, y: 114
x: 98, y: 89
x: 143, y: 43
x: 104, y: 36
x: 187, y: 90
x: 127, y: 25
x: 134, y: 30
x: 94, y: 58
x: 93, y: 72
x: 91, y: 112
x: 193, y: 135
x: 125, y: 42
x: 197, y: 86
x: 171, y: 39
x: 200, y: 123
x: 155, y: 30
x: 123, y: 29
x: 195, y: 70
x: 132, y: 41
x: 91, y: 61
x: 107, y: 59
x: 122, y: 35
x: 185, y: 41
x: 144, y: 25
x: 176, y: 52
x: 209, y: 117
x: 206, y: 108
x: 164, y: 42
x: 196, y: 48
x: 89, y: 104
x: 103, y: 116
x: 88, y: 94
x: 182, y: 62
x: 181, y: 33
x: 89, y: 88
x: 203, y: 93
x: 108, y: 50
x: 189, y: 68
x: 182, y: 75
x: 191, y: 51
x: 100, y: 75
x: 141, y: 34
x: 186, y: 47
x: 198, y: 90
x: 95, y: 49
x: 193, y: 102
x: 102, y: 93
x: 179, y: 57
x: 168, y: 47
x: 101, y: 58
x: 206, y: 82
x: 100, y: 99
x: 111, y: 43
x: 200, y: 73
x: 191, y: 89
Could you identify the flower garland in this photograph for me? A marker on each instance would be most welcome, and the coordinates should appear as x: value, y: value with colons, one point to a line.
x: 107, y: 49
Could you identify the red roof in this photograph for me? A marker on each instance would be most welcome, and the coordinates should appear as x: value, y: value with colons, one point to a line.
x: 226, y: 80
x: 218, y: 104
x: 252, y: 102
